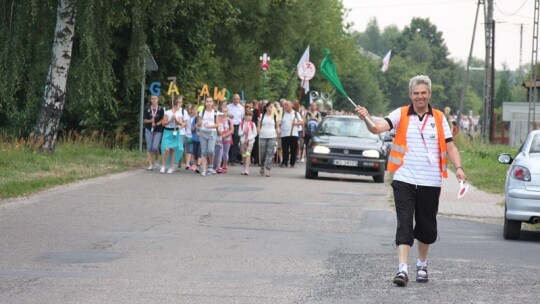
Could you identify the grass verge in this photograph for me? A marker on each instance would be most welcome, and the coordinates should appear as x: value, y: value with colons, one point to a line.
x: 481, y: 165
x: 25, y: 172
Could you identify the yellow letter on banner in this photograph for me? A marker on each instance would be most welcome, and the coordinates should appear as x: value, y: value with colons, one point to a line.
x: 173, y: 89
x: 219, y: 95
x: 204, y: 91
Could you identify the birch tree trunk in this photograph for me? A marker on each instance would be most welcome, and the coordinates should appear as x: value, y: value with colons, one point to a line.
x: 54, y: 96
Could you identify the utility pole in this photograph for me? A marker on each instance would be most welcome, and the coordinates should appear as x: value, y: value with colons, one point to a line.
x: 467, y: 70
x: 486, y: 121
x: 533, y: 90
x: 492, y: 120
x: 521, y: 52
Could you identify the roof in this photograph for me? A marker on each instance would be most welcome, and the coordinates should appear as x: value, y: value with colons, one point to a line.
x: 530, y: 83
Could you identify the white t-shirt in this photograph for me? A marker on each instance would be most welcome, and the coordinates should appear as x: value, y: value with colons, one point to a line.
x: 416, y: 168
x: 208, y: 119
x: 186, y: 117
x: 188, y: 127
x: 287, y: 123
x: 172, y: 124
x: 268, y: 127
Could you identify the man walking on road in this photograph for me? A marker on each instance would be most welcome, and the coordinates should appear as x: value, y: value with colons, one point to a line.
x: 418, y: 158
x: 237, y: 110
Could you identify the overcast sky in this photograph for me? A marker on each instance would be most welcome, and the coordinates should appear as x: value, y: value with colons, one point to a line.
x: 455, y: 19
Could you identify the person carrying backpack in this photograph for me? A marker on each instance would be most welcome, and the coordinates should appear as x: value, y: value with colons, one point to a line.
x: 313, y: 117
x: 268, y: 129
x: 247, y: 133
x: 208, y: 136
x: 289, y: 134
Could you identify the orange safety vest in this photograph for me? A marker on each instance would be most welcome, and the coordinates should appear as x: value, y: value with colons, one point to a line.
x: 399, y: 145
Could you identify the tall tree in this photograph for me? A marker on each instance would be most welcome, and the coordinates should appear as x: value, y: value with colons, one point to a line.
x: 24, y: 59
x: 427, y: 30
x: 503, y: 90
x: 371, y: 39
x: 54, y: 97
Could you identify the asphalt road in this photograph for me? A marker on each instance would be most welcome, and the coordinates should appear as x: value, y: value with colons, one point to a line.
x: 145, y: 237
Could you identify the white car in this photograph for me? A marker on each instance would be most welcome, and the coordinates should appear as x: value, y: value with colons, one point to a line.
x: 522, y: 188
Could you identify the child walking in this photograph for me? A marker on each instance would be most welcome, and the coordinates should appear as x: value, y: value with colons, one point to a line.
x: 247, y: 133
x: 208, y: 135
x: 226, y: 129
x: 195, y: 142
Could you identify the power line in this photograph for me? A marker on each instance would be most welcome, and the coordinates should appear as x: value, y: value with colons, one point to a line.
x: 408, y: 4
x: 510, y: 14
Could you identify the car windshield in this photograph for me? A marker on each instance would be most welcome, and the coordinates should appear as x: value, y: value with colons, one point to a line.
x: 346, y: 127
x: 535, y: 146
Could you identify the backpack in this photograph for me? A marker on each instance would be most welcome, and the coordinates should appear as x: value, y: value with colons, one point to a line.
x: 311, y: 127
x: 251, y: 125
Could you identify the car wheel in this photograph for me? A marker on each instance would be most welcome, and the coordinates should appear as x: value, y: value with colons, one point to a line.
x: 311, y: 174
x: 378, y: 178
x: 512, y: 229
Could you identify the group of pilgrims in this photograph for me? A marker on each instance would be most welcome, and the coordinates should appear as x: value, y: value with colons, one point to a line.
x: 210, y: 137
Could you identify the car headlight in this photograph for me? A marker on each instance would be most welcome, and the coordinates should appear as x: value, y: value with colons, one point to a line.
x: 521, y: 173
x: 321, y: 149
x: 371, y: 153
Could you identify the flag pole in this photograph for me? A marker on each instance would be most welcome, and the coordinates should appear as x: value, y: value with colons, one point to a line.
x: 301, y: 91
x: 328, y: 69
x: 367, y: 118
x: 288, y: 83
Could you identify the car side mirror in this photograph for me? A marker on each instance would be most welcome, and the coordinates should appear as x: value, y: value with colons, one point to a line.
x: 505, y: 158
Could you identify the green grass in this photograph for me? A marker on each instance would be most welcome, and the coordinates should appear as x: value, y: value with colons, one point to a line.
x: 481, y: 165
x: 25, y: 171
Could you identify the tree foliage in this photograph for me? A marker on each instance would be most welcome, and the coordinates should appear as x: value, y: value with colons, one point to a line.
x: 209, y: 42
x: 503, y: 92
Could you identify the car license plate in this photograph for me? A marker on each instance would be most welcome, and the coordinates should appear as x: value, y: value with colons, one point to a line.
x: 348, y: 163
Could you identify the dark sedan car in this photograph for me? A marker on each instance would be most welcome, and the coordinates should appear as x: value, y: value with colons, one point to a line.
x: 343, y: 144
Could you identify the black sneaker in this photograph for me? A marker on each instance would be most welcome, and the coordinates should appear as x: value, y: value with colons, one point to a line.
x: 401, y: 279
x: 421, y: 274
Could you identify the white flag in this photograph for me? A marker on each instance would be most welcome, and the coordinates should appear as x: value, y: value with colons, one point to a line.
x: 386, y: 61
x: 304, y: 58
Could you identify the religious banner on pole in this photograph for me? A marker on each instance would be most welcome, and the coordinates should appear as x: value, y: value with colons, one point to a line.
x: 306, y: 69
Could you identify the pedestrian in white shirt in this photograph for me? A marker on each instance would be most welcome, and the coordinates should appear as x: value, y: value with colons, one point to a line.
x: 185, y: 117
x: 247, y: 133
x: 237, y: 111
x: 208, y: 136
x: 268, y: 130
x: 290, y: 122
x: 171, y: 144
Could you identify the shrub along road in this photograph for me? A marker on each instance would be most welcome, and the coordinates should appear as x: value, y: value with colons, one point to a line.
x: 145, y: 237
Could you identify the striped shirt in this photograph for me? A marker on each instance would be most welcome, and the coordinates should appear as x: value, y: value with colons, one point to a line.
x: 416, y: 168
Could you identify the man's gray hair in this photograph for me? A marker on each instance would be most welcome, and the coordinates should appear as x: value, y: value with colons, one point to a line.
x: 419, y: 79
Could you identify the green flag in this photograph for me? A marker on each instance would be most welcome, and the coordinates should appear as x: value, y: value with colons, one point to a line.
x: 328, y: 69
